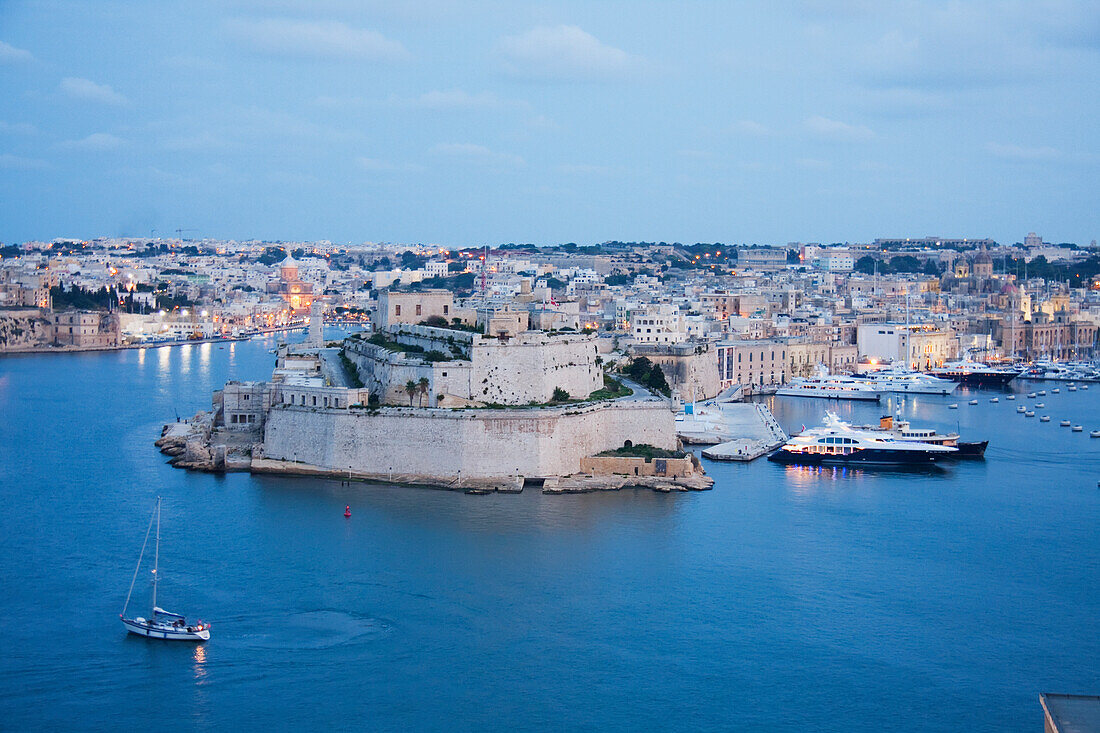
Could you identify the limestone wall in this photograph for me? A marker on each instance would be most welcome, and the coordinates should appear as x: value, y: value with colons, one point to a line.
x: 24, y: 328
x: 441, y: 446
x: 528, y: 368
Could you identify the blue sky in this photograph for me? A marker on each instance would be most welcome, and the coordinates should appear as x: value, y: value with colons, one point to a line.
x: 487, y: 122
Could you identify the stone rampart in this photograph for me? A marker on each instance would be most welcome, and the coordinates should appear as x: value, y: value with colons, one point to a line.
x: 449, y: 446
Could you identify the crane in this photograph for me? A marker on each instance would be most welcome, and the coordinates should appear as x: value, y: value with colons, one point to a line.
x: 180, y: 231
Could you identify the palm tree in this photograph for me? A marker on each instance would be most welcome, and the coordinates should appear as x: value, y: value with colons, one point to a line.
x: 423, y: 389
x: 411, y: 388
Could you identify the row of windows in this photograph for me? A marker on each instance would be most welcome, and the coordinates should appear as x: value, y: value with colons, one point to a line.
x: 305, y: 400
x: 397, y: 309
x: 242, y: 419
x: 837, y: 441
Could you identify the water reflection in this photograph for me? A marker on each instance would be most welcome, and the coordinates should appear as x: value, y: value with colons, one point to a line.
x: 199, y: 659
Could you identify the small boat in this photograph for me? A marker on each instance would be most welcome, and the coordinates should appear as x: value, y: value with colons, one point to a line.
x: 1042, y: 393
x: 1021, y: 409
x: 1084, y: 386
x: 161, y: 624
x: 972, y: 402
x: 1064, y: 423
x: 1040, y: 405
x: 1055, y: 391
x: 994, y: 399
x: 1031, y: 395
x: 1029, y: 413
x: 1045, y: 418
x: 1071, y: 388
x: 1077, y: 428
x: 953, y: 406
x: 1095, y: 434
x: 1011, y: 397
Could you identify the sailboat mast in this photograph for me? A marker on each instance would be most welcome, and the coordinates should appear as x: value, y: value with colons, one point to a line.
x: 156, y: 558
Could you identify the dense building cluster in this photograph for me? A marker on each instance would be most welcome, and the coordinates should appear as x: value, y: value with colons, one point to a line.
x: 711, y: 316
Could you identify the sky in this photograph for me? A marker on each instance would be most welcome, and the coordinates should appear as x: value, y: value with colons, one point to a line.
x: 549, y: 121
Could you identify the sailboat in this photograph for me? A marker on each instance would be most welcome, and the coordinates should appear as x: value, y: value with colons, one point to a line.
x: 162, y: 624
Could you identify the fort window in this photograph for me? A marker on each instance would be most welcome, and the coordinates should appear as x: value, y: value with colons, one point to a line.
x: 397, y: 310
x: 446, y: 309
x: 418, y: 309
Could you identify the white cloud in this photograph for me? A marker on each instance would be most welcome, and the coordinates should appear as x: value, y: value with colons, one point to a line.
x: 813, y: 164
x: 584, y: 169
x: 88, y: 91
x: 479, y: 153
x: 749, y: 127
x: 459, y: 99
x: 376, y: 165
x: 1018, y: 152
x: 17, y: 128
x: 11, y: 54
x: 827, y: 129
x: 564, y: 52
x: 16, y: 162
x: 316, y: 39
x: 95, y: 141
x: 451, y: 99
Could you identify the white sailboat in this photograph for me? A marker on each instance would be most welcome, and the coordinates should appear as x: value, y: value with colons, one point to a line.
x: 161, y: 624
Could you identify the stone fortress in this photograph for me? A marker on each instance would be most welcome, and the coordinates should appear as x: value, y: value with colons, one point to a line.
x: 477, y: 406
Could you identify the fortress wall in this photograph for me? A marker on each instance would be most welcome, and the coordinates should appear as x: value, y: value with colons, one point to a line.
x: 516, y: 373
x: 440, y: 446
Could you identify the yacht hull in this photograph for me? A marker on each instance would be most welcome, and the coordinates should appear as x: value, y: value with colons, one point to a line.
x: 830, y: 394
x: 157, y: 631
x: 859, y: 457
x: 978, y: 379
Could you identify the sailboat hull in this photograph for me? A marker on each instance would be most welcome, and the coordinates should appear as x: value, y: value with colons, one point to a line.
x: 141, y: 627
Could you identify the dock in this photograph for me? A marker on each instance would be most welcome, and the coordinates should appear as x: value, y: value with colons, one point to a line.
x: 735, y: 431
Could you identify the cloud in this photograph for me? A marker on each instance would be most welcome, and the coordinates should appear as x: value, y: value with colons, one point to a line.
x: 11, y: 54
x: 316, y: 39
x: 17, y: 128
x: 748, y: 127
x: 451, y: 99
x: 88, y: 91
x: 16, y: 162
x: 384, y: 166
x: 813, y: 164
x: 95, y: 141
x: 185, y: 62
x: 565, y: 52
x: 827, y: 129
x: 479, y: 153
x: 584, y: 169
x: 458, y: 99
x: 1017, y: 152
x: 199, y: 142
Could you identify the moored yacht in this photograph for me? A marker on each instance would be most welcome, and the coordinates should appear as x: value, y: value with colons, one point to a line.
x: 976, y: 374
x: 830, y: 386
x: 839, y: 443
x: 904, y: 430
x: 905, y: 381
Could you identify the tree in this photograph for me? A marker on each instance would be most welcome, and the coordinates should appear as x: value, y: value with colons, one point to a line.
x: 657, y: 382
x: 560, y: 395
x: 905, y: 263
x: 423, y: 386
x: 865, y: 264
x: 930, y: 268
x: 411, y: 388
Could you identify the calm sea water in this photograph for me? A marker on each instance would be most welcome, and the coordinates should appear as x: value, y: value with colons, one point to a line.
x: 784, y: 599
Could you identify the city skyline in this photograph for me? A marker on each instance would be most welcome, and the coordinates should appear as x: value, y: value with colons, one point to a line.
x: 463, y: 123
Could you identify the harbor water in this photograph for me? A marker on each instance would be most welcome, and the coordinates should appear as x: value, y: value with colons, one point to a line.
x: 785, y: 599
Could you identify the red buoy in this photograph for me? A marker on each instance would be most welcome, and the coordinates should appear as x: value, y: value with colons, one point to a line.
x: 347, y: 510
